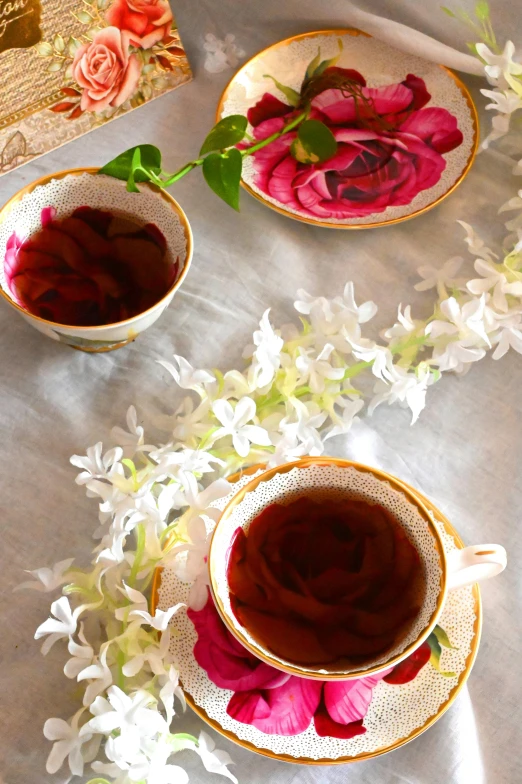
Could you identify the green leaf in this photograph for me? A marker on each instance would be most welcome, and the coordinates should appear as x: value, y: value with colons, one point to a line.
x: 443, y: 638
x: 54, y: 66
x: 315, y: 143
x: 226, y: 133
x: 482, y: 11
x: 84, y: 17
x: 135, y: 166
x: 435, y: 655
x: 312, y: 65
x: 44, y: 49
x: 292, y: 96
x: 321, y: 68
x: 223, y: 174
x: 448, y: 11
x: 59, y: 43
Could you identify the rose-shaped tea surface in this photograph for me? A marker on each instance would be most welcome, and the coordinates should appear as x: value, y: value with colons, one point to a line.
x: 390, y: 147
x: 147, y: 21
x: 89, y: 269
x: 321, y: 581
x: 105, y: 70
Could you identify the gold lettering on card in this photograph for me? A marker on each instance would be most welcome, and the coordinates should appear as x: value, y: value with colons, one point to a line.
x: 19, y: 24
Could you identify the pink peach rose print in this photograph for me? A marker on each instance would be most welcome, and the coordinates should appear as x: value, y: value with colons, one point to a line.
x: 280, y: 704
x: 147, y: 21
x: 105, y: 70
x: 390, y: 148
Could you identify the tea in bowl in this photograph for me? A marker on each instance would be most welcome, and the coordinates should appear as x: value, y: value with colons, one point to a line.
x: 331, y: 570
x: 88, y: 263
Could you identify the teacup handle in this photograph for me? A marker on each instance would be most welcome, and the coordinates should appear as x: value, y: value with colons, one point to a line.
x: 474, y: 563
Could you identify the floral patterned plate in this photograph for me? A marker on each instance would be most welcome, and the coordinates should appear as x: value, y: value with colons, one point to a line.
x: 304, y: 721
x: 406, y: 129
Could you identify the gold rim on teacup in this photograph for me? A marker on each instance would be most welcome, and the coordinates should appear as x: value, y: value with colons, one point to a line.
x: 76, y: 172
x: 487, y: 562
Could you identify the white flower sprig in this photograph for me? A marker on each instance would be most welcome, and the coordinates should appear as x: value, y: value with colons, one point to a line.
x: 300, y: 388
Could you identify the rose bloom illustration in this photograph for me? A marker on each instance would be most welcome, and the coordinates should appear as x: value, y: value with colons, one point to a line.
x: 147, y: 21
x: 390, y: 147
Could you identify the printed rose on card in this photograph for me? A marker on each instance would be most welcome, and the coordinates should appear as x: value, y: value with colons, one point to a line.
x: 89, y: 62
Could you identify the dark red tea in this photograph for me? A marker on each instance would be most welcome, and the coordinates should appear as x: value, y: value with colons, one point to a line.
x: 89, y: 269
x: 322, y: 581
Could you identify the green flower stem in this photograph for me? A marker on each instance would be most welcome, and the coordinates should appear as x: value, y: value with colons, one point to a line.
x: 264, y: 142
x: 172, y: 178
x: 120, y: 661
x: 140, y: 549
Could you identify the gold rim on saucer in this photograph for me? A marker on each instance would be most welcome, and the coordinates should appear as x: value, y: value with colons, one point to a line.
x: 13, y: 201
x: 463, y: 677
x: 376, y: 224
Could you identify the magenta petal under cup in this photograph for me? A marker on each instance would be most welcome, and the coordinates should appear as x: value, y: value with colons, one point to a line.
x: 41, y: 205
x: 335, y: 478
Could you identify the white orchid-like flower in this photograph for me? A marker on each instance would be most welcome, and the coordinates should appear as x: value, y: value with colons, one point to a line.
x: 215, y: 761
x: 137, y: 599
x: 476, y: 244
x: 403, y: 387
x: 302, y: 426
x: 316, y: 371
x: 266, y: 354
x: 47, y: 579
x: 234, y: 423
x: 188, y: 377
x: 170, y: 688
x: 63, y: 625
x: 505, y: 102
x: 135, y: 717
x: 221, y: 53
x: 379, y: 356
x: 153, y: 655
x: 509, y: 337
x: 440, y: 278
x: 191, y: 422
x: 494, y: 277
x: 332, y: 320
x: 466, y: 322
x: 343, y: 423
x: 498, y: 66
x: 96, y: 465
x: 132, y: 440
x: 185, y: 462
x: 69, y: 743
x: 82, y: 655
x: 99, y: 676
x: 161, y: 618
x: 404, y: 326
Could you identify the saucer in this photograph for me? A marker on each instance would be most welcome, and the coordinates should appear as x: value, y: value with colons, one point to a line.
x: 397, y: 713
x: 415, y: 149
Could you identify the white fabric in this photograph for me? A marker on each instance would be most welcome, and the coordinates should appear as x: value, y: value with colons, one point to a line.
x: 465, y: 452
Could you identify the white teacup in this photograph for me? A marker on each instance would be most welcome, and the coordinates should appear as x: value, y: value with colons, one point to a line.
x: 66, y: 191
x: 285, y: 484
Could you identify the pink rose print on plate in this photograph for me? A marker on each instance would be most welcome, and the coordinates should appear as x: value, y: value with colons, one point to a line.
x: 147, y: 21
x: 390, y: 148
x: 105, y: 70
x: 281, y: 704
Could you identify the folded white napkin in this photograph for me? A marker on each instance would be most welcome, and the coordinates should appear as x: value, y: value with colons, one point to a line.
x: 409, y: 40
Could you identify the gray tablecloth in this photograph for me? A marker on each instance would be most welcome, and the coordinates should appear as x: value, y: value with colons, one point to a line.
x: 465, y: 452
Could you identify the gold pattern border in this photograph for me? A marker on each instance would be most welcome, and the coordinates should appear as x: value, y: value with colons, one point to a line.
x: 355, y: 226
x: 463, y: 677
